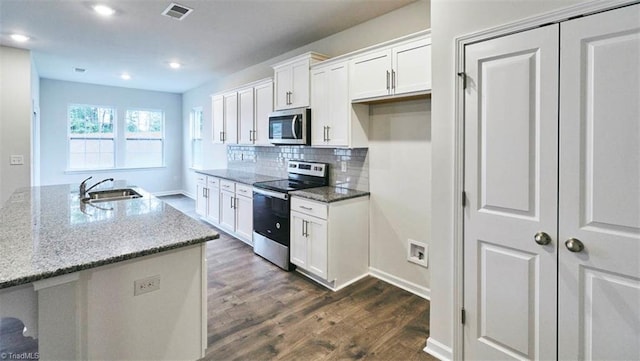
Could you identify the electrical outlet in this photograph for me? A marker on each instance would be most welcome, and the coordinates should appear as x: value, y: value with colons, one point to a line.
x: 146, y: 285
x: 16, y: 160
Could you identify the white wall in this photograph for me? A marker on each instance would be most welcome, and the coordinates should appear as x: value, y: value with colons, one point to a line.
x: 452, y: 19
x: 35, y: 126
x: 400, y: 186
x: 406, y: 20
x: 15, y: 119
x: 56, y: 95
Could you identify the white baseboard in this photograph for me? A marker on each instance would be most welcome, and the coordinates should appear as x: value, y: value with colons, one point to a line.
x: 438, y: 350
x: 416, y: 289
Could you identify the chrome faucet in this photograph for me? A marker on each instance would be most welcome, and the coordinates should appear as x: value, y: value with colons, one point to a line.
x: 83, y: 186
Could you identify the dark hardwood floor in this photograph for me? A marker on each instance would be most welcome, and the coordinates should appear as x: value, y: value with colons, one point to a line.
x: 259, y: 312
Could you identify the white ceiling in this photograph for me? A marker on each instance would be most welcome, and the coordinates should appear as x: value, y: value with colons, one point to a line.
x: 219, y: 37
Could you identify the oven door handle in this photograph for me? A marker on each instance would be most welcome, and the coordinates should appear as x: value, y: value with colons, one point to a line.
x: 267, y: 193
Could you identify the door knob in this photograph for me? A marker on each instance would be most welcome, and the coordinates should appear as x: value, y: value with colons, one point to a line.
x: 542, y: 238
x: 574, y: 245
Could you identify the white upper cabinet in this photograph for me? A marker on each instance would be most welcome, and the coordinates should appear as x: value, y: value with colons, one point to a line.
x: 255, y: 103
x: 246, y: 116
x: 263, y: 105
x: 335, y: 121
x: 217, y: 111
x: 398, y: 68
x: 291, y: 79
x: 225, y: 118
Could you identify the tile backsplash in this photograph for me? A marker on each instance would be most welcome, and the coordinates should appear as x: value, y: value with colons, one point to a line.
x: 348, y: 168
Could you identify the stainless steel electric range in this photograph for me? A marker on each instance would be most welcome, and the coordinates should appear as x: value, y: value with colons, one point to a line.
x: 271, y: 205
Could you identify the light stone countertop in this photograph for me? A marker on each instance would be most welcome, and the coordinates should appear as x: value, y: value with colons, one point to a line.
x: 46, y: 232
x: 237, y: 176
x: 329, y: 194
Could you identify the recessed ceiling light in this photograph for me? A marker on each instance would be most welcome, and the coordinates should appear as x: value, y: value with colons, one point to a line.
x: 175, y: 65
x: 20, y: 38
x: 125, y: 76
x: 103, y: 10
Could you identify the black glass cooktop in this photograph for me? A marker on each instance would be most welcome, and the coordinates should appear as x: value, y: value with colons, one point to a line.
x: 286, y: 185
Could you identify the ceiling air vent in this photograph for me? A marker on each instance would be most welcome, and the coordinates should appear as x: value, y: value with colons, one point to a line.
x: 176, y: 11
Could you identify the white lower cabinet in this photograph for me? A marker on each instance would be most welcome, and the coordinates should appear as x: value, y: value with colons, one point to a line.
x: 208, y: 197
x: 226, y: 204
x: 330, y: 241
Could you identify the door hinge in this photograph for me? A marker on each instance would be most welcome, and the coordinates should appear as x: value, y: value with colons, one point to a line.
x: 463, y: 75
x: 464, y: 199
x: 462, y: 316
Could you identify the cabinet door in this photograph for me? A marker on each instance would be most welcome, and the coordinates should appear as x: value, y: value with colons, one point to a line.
x: 511, y: 165
x: 339, y: 106
x: 282, y: 79
x: 244, y: 217
x: 298, y: 246
x: 317, y: 247
x: 217, y: 111
x: 319, y: 106
x: 231, y: 118
x: 371, y: 75
x: 246, y: 123
x: 213, y: 205
x: 263, y: 107
x: 299, y: 84
x: 599, y: 287
x: 227, y: 211
x: 412, y: 67
x: 201, y: 198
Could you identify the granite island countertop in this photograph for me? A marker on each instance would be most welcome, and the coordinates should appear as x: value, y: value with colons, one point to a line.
x: 47, y: 231
x: 238, y: 176
x: 329, y: 194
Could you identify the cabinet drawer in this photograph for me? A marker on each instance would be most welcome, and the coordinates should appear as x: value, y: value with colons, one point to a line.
x: 201, y: 179
x: 309, y: 207
x: 213, y: 182
x: 244, y: 190
x: 226, y: 185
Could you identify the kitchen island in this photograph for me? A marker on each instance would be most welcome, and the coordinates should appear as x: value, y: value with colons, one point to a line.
x: 121, y: 279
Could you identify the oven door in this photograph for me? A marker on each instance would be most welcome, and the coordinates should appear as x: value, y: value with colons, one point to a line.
x: 271, y: 215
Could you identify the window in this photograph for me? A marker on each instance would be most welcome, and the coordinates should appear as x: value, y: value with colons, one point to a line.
x: 91, y: 137
x: 144, y: 138
x: 98, y: 139
x: 196, y: 137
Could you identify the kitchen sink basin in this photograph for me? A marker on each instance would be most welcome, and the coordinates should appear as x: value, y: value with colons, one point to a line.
x: 111, y: 195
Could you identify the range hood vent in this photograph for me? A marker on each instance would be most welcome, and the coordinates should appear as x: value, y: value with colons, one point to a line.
x: 177, y: 11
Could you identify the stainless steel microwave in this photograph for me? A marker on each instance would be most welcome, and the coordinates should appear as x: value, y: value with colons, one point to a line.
x: 291, y: 126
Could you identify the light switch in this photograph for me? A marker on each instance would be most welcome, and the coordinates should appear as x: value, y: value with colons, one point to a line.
x: 16, y: 160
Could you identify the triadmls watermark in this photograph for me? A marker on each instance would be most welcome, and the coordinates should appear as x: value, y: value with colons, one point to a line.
x: 20, y: 356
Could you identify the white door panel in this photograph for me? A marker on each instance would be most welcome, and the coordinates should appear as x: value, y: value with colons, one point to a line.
x: 599, y: 288
x: 511, y: 185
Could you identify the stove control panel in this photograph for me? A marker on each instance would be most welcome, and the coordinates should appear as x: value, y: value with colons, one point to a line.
x: 308, y: 168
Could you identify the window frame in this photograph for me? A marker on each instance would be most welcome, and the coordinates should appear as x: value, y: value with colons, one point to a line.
x: 193, y: 138
x: 124, y: 138
x: 114, y: 138
x: 119, y: 139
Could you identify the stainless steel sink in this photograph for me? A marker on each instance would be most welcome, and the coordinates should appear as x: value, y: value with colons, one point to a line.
x: 111, y: 195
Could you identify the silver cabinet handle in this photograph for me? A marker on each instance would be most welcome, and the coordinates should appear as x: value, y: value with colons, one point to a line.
x: 542, y: 238
x: 393, y: 79
x: 574, y: 245
x: 307, y: 208
x: 204, y: 192
x: 221, y: 136
x: 328, y: 139
x: 388, y: 80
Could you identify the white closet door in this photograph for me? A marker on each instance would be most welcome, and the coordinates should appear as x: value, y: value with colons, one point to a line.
x: 511, y: 145
x: 599, y: 287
